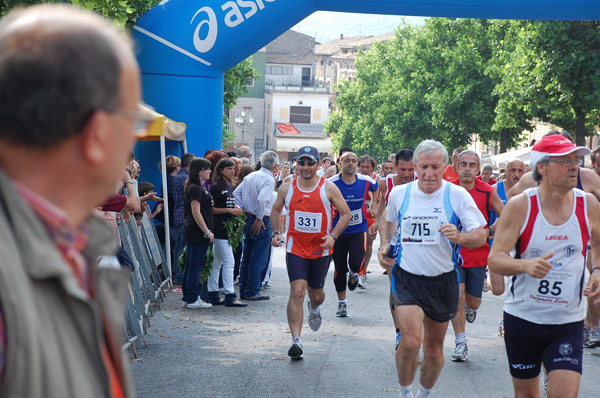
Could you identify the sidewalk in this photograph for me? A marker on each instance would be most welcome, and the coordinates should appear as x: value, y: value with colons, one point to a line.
x: 242, y: 352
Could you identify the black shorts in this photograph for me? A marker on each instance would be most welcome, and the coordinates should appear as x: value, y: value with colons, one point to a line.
x: 529, y: 344
x: 436, y: 295
x: 313, y: 271
x: 473, y: 278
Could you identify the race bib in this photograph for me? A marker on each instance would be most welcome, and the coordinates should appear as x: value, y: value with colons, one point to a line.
x: 307, y: 222
x: 555, y: 289
x: 420, y: 230
x: 356, y: 217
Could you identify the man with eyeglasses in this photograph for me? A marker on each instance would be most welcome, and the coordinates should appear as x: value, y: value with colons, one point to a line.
x: 435, y: 219
x: 308, y: 199
x: 549, y: 229
x: 351, y: 247
x: 69, y: 89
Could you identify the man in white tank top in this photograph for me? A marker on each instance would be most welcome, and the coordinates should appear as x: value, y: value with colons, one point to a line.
x: 547, y: 231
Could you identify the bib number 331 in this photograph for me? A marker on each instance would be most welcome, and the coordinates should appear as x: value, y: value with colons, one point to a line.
x: 307, y: 222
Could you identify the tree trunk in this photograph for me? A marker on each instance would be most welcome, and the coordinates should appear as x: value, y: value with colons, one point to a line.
x: 580, y: 128
x: 503, y: 140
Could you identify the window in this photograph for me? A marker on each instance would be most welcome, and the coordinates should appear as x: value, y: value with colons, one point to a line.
x: 250, y: 82
x: 299, y: 114
x: 280, y: 70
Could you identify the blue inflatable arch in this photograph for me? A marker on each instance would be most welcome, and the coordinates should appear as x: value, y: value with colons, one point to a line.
x: 185, y: 46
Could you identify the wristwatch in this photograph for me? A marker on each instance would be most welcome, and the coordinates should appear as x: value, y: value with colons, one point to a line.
x: 491, y: 232
x: 275, y: 233
x: 207, y: 235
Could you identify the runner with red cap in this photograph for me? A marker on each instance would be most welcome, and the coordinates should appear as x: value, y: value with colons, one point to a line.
x: 548, y: 228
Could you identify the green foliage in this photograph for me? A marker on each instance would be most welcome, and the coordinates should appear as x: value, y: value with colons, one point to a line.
x: 451, y: 79
x: 236, y: 79
x: 553, y: 74
x: 235, y: 230
x: 124, y: 13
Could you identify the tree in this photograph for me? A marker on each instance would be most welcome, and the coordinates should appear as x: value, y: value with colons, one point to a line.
x: 236, y: 79
x: 553, y: 74
x: 124, y: 12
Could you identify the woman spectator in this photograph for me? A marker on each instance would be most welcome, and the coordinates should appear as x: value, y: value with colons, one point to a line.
x: 213, y: 158
x: 224, y: 209
x: 197, y: 234
x: 285, y: 171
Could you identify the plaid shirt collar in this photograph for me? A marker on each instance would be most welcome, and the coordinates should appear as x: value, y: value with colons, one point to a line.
x: 64, y: 235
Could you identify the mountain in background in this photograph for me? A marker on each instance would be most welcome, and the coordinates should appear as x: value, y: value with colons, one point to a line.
x: 325, y: 26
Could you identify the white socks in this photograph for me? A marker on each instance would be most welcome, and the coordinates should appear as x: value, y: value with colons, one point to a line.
x: 406, y: 392
x: 423, y: 393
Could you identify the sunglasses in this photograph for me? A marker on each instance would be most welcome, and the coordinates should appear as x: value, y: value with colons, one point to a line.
x: 306, y: 162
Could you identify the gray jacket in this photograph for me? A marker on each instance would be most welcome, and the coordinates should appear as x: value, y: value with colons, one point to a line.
x: 54, y: 332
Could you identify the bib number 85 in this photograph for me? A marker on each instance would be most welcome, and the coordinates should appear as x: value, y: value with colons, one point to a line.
x: 545, y: 288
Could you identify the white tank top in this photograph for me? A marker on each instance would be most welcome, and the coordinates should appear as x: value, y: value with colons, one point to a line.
x: 558, y: 297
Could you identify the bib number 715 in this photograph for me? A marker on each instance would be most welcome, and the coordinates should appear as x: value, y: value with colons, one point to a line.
x: 420, y: 229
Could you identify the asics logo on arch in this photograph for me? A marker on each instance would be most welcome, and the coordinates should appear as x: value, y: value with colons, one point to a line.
x: 236, y: 13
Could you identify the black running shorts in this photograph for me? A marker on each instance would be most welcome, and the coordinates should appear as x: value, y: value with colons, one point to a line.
x: 473, y: 278
x: 529, y: 344
x: 313, y: 271
x: 436, y: 295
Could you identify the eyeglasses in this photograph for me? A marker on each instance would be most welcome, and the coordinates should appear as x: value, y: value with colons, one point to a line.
x: 306, y: 162
x: 566, y: 162
x: 142, y: 119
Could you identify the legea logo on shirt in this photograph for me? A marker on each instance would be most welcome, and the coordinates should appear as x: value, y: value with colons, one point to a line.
x: 557, y: 237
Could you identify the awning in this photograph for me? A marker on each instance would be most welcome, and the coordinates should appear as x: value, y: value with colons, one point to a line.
x: 162, y: 126
x: 287, y: 144
x: 499, y: 161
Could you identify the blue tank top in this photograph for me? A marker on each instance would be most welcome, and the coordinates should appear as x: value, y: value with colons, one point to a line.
x: 355, y: 195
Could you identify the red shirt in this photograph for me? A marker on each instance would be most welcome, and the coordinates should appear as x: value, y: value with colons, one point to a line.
x: 450, y: 175
x: 492, y: 180
x: 482, y: 195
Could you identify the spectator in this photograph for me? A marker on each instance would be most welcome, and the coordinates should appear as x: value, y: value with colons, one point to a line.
x: 197, y: 232
x: 223, y: 210
x: 69, y: 89
x: 178, y: 206
x: 232, y: 154
x: 285, y: 171
x: 254, y: 195
x: 244, y: 153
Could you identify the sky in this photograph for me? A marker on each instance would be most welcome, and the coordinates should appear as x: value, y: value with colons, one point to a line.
x: 326, y: 26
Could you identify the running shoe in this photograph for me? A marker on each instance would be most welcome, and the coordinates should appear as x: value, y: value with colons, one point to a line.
x: 352, y: 282
x: 342, y: 310
x: 362, y: 281
x: 486, y: 288
x: 586, y: 337
x: 295, y: 351
x: 594, y: 340
x: 314, y: 320
x: 460, y: 352
x: 470, y: 314
x: 265, y: 285
x: 199, y: 304
x: 501, y: 328
x: 398, y: 339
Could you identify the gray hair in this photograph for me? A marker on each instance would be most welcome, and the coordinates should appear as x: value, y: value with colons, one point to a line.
x: 58, y: 65
x: 487, y: 166
x: 535, y: 173
x: 269, y: 159
x: 469, y: 152
x: 429, y: 146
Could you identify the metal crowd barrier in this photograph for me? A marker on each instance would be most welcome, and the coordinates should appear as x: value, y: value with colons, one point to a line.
x: 149, y: 277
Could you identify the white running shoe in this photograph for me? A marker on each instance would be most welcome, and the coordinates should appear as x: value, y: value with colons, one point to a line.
x: 470, y: 314
x: 342, y: 310
x: 199, y: 304
x: 314, y: 320
x: 362, y: 281
x: 295, y: 351
x: 460, y: 352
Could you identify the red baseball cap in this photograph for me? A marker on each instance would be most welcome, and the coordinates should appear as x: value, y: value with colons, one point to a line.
x: 555, y: 145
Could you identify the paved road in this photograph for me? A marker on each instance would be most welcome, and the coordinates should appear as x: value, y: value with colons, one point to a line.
x: 232, y: 352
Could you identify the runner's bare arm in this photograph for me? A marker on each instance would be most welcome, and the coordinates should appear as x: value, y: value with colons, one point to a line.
x: 330, y: 172
x: 509, y: 228
x: 590, y: 182
x: 276, y: 212
x: 386, y: 230
x: 592, y: 288
x: 525, y: 182
x: 382, y: 186
x: 473, y: 239
x: 335, y: 197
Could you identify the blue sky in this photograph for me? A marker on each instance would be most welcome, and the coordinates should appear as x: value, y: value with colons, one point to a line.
x: 326, y: 26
